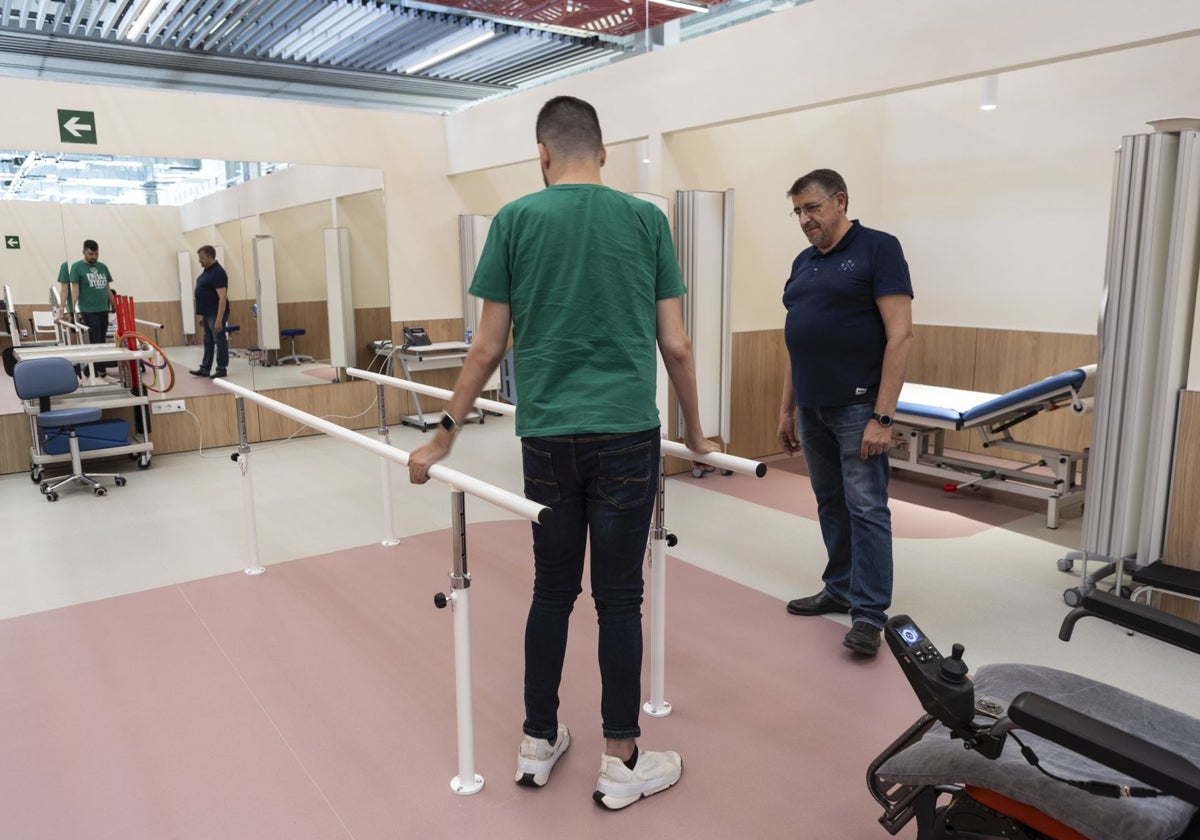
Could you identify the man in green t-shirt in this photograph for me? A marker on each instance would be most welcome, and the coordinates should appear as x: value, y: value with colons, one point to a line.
x: 89, y: 283
x: 588, y: 279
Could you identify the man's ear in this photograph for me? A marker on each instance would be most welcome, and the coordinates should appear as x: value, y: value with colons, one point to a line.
x: 603, y: 155
x: 543, y: 156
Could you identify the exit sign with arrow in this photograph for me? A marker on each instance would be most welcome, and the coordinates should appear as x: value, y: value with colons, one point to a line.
x: 77, y: 126
x: 12, y: 243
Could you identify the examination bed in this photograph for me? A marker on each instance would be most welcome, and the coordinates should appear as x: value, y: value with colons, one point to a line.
x: 1024, y: 752
x: 925, y: 413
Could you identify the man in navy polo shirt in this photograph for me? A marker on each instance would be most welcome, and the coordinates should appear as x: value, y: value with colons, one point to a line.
x: 848, y: 334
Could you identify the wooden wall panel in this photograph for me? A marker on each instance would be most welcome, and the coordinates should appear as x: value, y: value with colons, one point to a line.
x: 759, y: 359
x: 370, y: 324
x: 166, y: 313
x: 312, y: 316
x: 1183, y: 526
x: 14, y: 443
x: 334, y: 402
x: 1009, y: 359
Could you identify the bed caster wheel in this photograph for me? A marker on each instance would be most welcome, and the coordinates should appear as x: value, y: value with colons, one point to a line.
x: 100, y: 491
x: 1065, y: 564
x: 1073, y: 597
x: 36, y: 474
x: 52, y: 496
x: 144, y: 462
x: 119, y: 481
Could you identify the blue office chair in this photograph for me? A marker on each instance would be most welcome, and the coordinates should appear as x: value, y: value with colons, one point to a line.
x: 41, y: 379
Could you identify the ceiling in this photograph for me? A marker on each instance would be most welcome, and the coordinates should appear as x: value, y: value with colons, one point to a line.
x: 365, y: 53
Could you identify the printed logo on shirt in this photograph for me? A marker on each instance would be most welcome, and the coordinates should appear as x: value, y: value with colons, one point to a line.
x: 847, y: 265
x: 858, y: 392
x: 96, y: 279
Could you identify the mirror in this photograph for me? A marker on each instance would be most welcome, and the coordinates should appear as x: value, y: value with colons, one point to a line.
x: 151, y: 215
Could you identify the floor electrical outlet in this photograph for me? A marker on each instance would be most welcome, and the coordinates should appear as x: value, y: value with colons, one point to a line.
x: 166, y: 406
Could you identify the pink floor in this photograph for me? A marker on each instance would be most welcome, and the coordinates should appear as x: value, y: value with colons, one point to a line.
x: 316, y: 701
x: 921, y: 509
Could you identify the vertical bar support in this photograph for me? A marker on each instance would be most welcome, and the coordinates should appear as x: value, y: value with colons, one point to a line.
x: 385, y: 469
x: 243, y: 460
x: 467, y: 781
x: 657, y: 706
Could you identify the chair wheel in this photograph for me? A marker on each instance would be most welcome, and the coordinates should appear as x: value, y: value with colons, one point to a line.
x: 52, y: 496
x: 697, y: 472
x: 100, y: 491
x: 1065, y: 564
x: 44, y: 487
x: 119, y: 481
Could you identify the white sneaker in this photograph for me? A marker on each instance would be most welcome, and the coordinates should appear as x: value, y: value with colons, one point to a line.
x: 536, y: 757
x: 620, y: 787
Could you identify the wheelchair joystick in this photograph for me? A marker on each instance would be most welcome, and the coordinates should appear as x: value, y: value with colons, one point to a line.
x: 954, y: 670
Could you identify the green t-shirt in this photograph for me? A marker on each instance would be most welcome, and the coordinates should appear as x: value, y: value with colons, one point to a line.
x: 91, y: 285
x: 582, y: 267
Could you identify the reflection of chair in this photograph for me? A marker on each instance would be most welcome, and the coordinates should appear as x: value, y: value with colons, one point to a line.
x: 292, y: 334
x: 229, y: 330
x: 41, y: 379
x: 44, y: 326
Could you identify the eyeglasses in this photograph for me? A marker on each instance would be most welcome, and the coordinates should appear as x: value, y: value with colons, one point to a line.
x: 811, y: 207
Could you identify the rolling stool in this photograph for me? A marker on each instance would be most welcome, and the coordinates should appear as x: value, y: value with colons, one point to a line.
x: 41, y: 379
x: 229, y: 330
x: 292, y: 333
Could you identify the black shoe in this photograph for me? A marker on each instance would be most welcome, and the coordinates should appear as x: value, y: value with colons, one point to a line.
x: 863, y: 638
x: 220, y: 374
x: 199, y: 372
x: 818, y: 604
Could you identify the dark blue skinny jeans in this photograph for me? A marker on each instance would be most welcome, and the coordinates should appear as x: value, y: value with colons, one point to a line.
x: 602, y: 489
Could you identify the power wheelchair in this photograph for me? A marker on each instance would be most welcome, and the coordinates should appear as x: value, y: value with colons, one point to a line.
x: 1024, y: 752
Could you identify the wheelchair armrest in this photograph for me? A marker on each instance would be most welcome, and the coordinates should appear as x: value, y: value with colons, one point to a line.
x: 1137, y: 617
x: 1108, y: 745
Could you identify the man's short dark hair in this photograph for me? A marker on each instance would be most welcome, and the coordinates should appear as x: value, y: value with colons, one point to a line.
x: 90, y: 245
x: 569, y: 127
x: 207, y: 250
x: 826, y: 179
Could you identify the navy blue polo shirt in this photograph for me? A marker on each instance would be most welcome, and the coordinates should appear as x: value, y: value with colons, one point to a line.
x: 834, y: 332
x: 211, y: 279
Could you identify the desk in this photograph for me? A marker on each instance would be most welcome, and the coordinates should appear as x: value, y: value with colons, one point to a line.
x: 103, y: 396
x: 443, y: 354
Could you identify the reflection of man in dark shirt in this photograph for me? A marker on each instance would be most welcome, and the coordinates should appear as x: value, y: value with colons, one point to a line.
x: 212, y: 310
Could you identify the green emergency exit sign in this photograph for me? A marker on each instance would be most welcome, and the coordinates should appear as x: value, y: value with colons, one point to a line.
x: 12, y: 243
x: 77, y: 127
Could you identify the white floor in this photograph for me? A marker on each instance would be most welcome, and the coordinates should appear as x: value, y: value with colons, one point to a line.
x: 998, y: 592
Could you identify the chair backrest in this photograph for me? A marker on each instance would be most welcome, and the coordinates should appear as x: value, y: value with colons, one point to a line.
x: 49, y: 377
x: 44, y: 324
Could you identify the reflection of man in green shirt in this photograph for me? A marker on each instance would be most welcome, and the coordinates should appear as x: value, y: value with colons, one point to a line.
x: 90, y: 284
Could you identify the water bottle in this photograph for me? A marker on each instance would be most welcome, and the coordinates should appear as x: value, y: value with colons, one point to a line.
x: 467, y: 337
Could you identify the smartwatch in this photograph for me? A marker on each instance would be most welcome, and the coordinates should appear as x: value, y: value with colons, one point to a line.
x: 884, y: 420
x: 447, y: 423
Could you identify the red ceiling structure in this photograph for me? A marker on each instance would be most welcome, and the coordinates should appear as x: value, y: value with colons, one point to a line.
x: 609, y: 17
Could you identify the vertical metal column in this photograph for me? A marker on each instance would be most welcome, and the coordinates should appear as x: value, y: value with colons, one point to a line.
x: 657, y: 706
x: 385, y: 469
x: 242, y: 458
x: 467, y: 781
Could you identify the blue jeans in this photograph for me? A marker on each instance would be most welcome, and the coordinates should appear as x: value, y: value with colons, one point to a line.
x: 215, y: 336
x: 602, y: 489
x: 852, y: 504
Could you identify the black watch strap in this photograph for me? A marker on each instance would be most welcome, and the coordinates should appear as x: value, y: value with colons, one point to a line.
x: 884, y: 420
x: 447, y: 422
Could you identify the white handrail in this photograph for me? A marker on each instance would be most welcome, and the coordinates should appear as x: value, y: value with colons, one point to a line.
x: 669, y: 447
x: 457, y: 480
